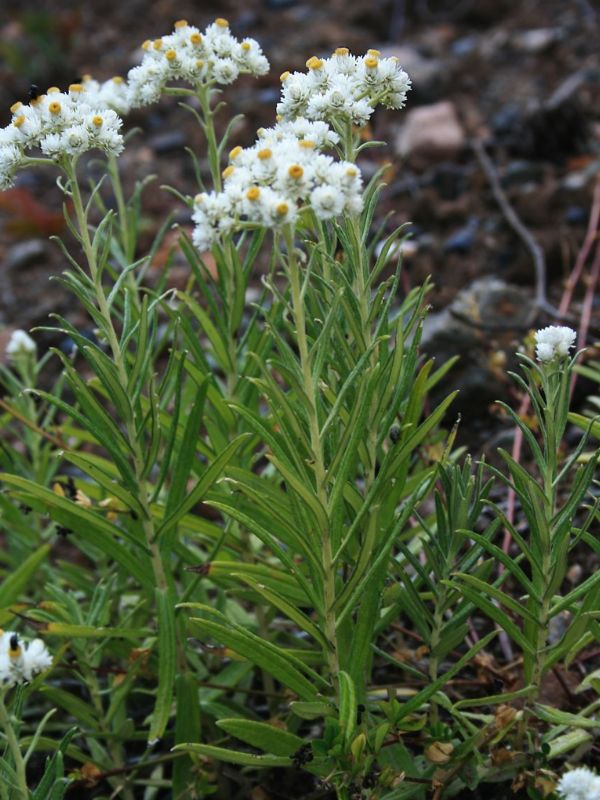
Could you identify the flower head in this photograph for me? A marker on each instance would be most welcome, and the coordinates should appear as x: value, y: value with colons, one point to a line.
x: 20, y: 343
x: 268, y: 184
x: 343, y: 88
x: 579, y: 784
x: 213, y: 56
x: 19, y: 661
x: 57, y: 123
x: 555, y: 341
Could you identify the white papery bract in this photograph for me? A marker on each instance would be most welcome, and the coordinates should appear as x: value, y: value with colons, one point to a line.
x: 20, y: 343
x: 343, y: 88
x: 211, y: 57
x: 20, y: 662
x: 59, y: 124
x: 267, y: 185
x: 555, y: 341
x: 579, y: 784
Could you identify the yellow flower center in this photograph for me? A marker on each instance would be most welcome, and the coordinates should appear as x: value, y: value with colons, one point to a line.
x: 282, y: 209
x: 195, y: 38
x: 228, y: 171
x: 265, y: 153
x: 170, y: 55
x: 53, y: 90
x: 222, y: 23
x: 307, y: 144
x: 253, y: 193
x: 157, y: 44
x: 15, y: 107
x: 284, y: 76
x: 147, y: 44
x: 233, y: 154
x: 19, y: 121
x: 245, y: 46
x: 341, y: 51
x: 371, y: 62
x: 314, y: 63
x: 351, y: 172
x: 97, y: 120
x: 296, y: 172
x: 54, y: 107
x: 199, y: 63
x: 118, y: 79
x: 75, y: 88
x: 14, y: 649
x: 375, y: 53
x: 181, y: 23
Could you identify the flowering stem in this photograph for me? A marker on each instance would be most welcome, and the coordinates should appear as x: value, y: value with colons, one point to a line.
x: 119, y: 360
x: 117, y: 187
x: 317, y: 452
x: 21, y: 790
x: 211, y: 137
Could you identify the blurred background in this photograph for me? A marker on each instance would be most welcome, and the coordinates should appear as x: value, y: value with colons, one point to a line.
x: 521, y: 79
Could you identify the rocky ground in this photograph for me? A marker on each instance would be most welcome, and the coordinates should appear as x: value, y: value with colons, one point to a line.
x: 522, y: 79
x: 504, y: 120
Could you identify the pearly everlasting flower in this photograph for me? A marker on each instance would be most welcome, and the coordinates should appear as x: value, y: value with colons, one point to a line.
x: 343, y: 88
x: 59, y: 124
x: 270, y: 183
x: 555, y: 341
x: 19, y: 662
x: 212, y: 56
x: 20, y: 343
x: 579, y: 784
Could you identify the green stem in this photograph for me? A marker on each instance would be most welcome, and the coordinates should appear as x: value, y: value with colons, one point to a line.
x: 119, y: 360
x: 115, y: 750
x: 211, y: 136
x: 22, y: 791
x: 317, y: 453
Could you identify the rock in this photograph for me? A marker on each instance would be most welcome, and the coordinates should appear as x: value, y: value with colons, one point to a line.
x: 537, y: 40
x: 462, y: 240
x: 576, y: 215
x: 431, y: 132
x: 522, y: 171
x: 485, y: 321
x: 24, y: 254
x: 168, y: 142
x: 464, y: 46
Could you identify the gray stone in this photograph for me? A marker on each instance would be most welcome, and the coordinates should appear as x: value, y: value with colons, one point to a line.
x: 485, y: 319
x: 431, y: 132
x: 24, y: 254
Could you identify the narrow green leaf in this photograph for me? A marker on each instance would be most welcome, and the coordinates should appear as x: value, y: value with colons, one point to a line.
x: 21, y: 577
x: 211, y: 474
x: 347, y: 707
x: 167, y: 660
x: 263, y: 736
x: 265, y: 655
x: 234, y: 756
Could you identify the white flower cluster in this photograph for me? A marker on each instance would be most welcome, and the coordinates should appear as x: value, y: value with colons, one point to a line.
x: 20, y: 343
x: 555, y: 341
x: 20, y: 662
x: 579, y: 784
x: 267, y: 184
x: 57, y: 123
x: 210, y: 57
x: 343, y: 87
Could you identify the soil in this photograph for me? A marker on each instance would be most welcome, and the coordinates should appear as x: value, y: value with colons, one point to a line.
x: 522, y: 78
